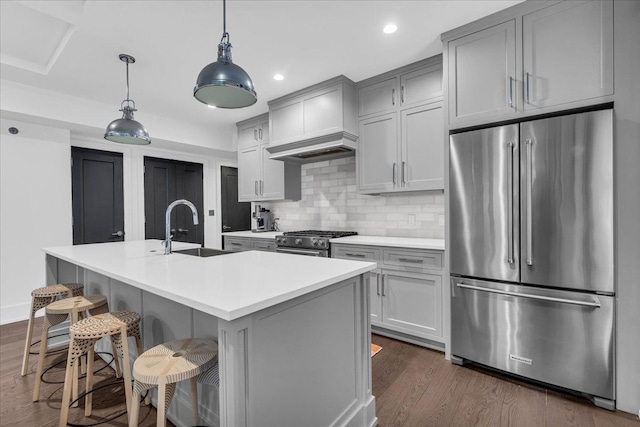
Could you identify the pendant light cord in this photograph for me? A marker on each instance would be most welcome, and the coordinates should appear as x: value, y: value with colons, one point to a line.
x: 225, y: 36
x: 127, y: 80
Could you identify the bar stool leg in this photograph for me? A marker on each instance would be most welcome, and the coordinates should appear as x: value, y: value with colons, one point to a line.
x: 165, y: 394
x: 66, y: 394
x: 194, y: 400
x: 43, y: 350
x: 116, y: 359
x: 138, y: 389
x: 88, y: 399
x: 147, y: 400
x: 74, y: 320
x: 27, y: 344
x: 126, y: 368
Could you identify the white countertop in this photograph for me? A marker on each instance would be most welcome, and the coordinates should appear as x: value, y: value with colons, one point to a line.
x: 396, y: 242
x: 249, y: 233
x: 227, y: 286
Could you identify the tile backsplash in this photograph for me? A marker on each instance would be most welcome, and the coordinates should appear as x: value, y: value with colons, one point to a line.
x: 330, y: 202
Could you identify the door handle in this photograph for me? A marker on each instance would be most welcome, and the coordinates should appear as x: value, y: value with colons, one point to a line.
x: 378, y: 283
x: 118, y: 233
x: 529, y: 209
x: 404, y: 175
x: 393, y: 97
x: 261, y: 187
x: 526, y: 84
x: 183, y: 230
x: 255, y: 187
x: 260, y: 133
x: 255, y: 134
x: 224, y: 227
x: 402, y: 94
x: 595, y: 303
x: 510, y: 146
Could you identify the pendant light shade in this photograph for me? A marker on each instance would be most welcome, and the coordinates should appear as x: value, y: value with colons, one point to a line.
x: 224, y: 84
x: 127, y: 130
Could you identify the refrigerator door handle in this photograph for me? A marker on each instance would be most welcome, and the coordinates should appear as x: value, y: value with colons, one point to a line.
x: 510, y: 146
x: 595, y: 303
x: 528, y: 209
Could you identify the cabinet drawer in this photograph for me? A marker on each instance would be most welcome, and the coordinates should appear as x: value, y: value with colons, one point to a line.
x: 412, y: 259
x: 263, y: 245
x: 356, y: 253
x: 236, y: 244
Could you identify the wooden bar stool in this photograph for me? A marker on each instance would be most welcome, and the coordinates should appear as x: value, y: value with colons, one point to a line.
x: 56, y: 313
x: 166, y: 364
x: 84, y: 334
x: 40, y: 298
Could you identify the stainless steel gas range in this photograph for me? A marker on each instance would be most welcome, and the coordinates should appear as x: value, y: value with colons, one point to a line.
x: 309, y: 242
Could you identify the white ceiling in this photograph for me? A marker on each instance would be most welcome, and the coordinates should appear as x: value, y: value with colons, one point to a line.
x: 72, y: 46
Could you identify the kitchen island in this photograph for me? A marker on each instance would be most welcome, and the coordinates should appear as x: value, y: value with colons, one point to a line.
x: 293, y: 332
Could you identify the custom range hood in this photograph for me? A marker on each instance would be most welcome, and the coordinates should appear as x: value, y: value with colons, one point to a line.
x: 315, y: 124
x: 332, y: 146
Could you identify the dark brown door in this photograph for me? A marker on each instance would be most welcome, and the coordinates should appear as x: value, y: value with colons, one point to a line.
x: 164, y: 182
x: 236, y: 216
x: 97, y: 196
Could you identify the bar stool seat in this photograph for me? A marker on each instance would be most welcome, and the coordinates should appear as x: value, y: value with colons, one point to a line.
x: 40, y: 298
x: 56, y: 313
x: 84, y: 334
x: 166, y: 364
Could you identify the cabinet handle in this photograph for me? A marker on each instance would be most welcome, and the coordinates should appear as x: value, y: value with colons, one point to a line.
x: 378, y: 284
x: 383, y: 293
x: 261, y: 187
x: 260, y: 133
x: 236, y: 244
x: 404, y: 175
x: 354, y: 255
x: 526, y: 84
x: 402, y: 94
x: 393, y: 97
x: 510, y: 91
x: 413, y: 260
x: 255, y: 134
x: 393, y: 173
x: 255, y: 187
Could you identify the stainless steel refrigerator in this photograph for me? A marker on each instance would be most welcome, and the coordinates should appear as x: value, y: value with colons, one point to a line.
x: 531, y: 249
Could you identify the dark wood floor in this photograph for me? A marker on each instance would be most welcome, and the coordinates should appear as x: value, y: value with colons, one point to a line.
x: 413, y: 387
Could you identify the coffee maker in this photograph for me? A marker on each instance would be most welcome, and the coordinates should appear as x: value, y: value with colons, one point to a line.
x: 262, y: 220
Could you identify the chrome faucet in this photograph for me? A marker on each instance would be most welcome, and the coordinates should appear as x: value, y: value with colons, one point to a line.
x: 167, y: 218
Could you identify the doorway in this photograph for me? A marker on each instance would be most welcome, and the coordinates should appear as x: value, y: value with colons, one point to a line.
x: 97, y: 196
x: 166, y: 181
x: 236, y: 216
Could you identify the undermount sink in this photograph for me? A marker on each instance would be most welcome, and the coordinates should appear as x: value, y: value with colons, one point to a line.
x: 202, y: 252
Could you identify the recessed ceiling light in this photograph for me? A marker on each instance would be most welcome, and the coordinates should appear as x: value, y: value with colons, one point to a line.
x: 278, y: 77
x: 390, y: 28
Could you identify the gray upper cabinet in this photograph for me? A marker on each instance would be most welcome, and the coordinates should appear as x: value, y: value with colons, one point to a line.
x: 537, y: 57
x: 377, y: 98
x: 323, y: 109
x: 401, y: 143
x: 259, y: 177
x: 482, y: 69
x: 567, y: 53
x: 255, y: 131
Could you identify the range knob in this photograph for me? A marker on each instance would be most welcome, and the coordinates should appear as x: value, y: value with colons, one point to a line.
x: 298, y: 241
x: 314, y: 242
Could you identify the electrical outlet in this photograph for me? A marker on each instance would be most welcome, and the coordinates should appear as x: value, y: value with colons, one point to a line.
x: 212, y: 212
x: 412, y: 219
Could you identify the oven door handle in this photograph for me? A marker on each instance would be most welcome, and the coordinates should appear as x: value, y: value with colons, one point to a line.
x: 298, y: 252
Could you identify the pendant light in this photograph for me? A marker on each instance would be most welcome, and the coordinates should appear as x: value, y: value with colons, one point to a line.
x: 224, y: 84
x: 126, y: 130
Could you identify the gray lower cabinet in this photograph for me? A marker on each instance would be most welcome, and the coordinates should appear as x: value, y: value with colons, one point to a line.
x: 238, y: 244
x: 405, y: 289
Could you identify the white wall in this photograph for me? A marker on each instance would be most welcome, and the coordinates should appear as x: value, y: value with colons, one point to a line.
x: 35, y: 209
